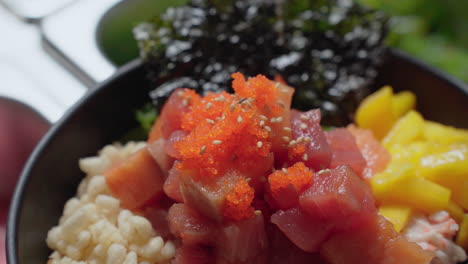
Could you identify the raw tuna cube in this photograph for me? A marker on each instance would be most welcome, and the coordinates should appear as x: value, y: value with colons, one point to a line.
x: 344, y: 150
x: 169, y: 146
x: 208, y: 199
x: 190, y: 226
x: 376, y: 241
x: 305, y: 232
x: 156, y: 149
x: 171, y: 186
x: 306, y: 128
x: 338, y: 196
x: 193, y: 255
x: 173, y: 109
x: 243, y: 242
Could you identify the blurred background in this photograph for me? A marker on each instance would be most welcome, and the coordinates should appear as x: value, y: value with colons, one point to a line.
x: 53, y: 51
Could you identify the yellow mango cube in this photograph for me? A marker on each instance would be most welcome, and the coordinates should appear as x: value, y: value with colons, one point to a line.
x: 376, y: 112
x: 460, y: 194
x: 406, y: 130
x: 449, y: 168
x: 411, y: 152
x: 398, y: 215
x: 455, y: 211
x: 385, y: 182
x: 402, y: 103
x: 421, y: 194
x: 439, y: 133
x: 462, y: 237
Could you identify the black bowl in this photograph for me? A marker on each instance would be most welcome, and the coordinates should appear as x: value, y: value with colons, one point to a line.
x: 51, y: 175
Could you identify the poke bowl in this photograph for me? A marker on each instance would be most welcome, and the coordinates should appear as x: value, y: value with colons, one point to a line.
x: 309, y: 194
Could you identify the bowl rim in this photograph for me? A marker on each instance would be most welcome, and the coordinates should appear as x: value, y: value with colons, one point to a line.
x: 16, y: 203
x: 11, y: 237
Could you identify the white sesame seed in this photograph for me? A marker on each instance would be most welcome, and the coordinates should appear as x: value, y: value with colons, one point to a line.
x: 185, y: 102
x: 267, y: 128
x: 300, y: 139
x: 279, y: 119
x: 202, y: 150
x: 263, y: 117
x: 273, y: 120
x: 284, y: 171
x: 287, y: 139
x: 305, y: 157
x: 281, y: 104
x: 303, y: 126
x: 248, y: 179
x: 216, y: 142
x: 292, y: 142
x: 210, y: 121
x: 239, y: 119
x: 277, y: 85
x: 209, y: 105
x: 180, y: 93
x: 304, y: 117
x: 307, y: 139
x: 259, y: 144
x: 287, y: 129
x: 284, y: 90
x: 258, y: 212
x: 220, y: 99
x: 262, y: 123
x: 232, y: 107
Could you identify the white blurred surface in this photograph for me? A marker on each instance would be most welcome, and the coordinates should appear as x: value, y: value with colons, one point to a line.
x: 29, y: 74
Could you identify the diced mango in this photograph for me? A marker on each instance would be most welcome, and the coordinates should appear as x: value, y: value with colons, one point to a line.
x: 455, y: 211
x: 393, y: 177
x: 397, y: 214
x: 462, y: 237
x: 376, y: 112
x: 421, y: 194
x: 407, y: 129
x: 402, y: 103
x: 460, y: 194
x: 439, y: 133
x: 449, y: 168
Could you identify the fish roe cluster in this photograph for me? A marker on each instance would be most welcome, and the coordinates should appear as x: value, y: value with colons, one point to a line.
x: 297, y: 176
x: 238, y: 203
x: 223, y: 129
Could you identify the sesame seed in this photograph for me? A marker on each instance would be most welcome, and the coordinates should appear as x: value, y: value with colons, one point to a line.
x: 202, y: 150
x: 284, y: 171
x: 185, y: 102
x: 267, y: 128
x: 323, y: 171
x: 239, y: 119
x: 258, y: 212
x: 305, y: 157
x: 304, y: 117
x: 307, y: 139
x: 262, y: 123
x: 281, y: 104
x: 209, y: 105
x: 232, y: 107
x: 292, y: 142
x: 285, y: 90
x: 241, y: 101
x: 303, y: 126
x: 273, y: 120
x: 300, y: 139
x: 210, y: 121
x: 263, y: 117
x: 279, y: 119
x: 259, y: 144
x: 220, y: 99
x: 180, y: 93
x: 287, y: 139
x: 277, y: 85
x: 248, y: 179
x: 287, y: 129
x: 216, y: 142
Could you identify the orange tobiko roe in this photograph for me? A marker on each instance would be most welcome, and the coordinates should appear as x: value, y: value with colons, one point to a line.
x: 299, y: 176
x: 238, y: 203
x: 259, y: 88
x: 225, y: 131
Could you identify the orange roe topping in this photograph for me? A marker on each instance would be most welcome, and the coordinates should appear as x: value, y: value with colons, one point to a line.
x: 298, y: 176
x: 224, y: 131
x: 261, y: 89
x: 238, y: 203
x: 296, y: 151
